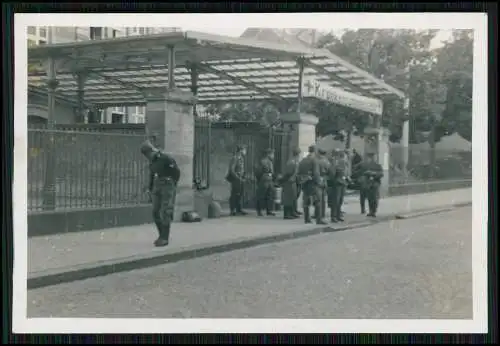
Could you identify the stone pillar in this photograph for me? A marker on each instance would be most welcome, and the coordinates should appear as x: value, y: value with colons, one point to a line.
x: 169, y: 116
x: 302, y: 127
x: 377, y: 141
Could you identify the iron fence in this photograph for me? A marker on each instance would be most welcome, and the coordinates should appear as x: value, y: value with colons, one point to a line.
x: 77, y: 167
x: 86, y: 169
x: 215, y: 143
x: 427, y: 165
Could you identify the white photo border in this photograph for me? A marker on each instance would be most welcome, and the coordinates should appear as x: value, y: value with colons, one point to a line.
x: 224, y: 23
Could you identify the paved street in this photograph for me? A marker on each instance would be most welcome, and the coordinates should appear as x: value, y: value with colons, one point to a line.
x: 64, y: 251
x: 413, y: 268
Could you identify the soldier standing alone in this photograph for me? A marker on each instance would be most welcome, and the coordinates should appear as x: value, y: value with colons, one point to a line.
x: 309, y: 175
x: 235, y: 177
x: 163, y: 179
x: 289, y: 183
x: 265, y: 184
x: 372, y: 173
x: 338, y: 180
x: 324, y: 166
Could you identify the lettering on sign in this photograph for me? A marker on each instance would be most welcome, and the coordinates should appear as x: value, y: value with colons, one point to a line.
x: 180, y: 108
x: 316, y: 89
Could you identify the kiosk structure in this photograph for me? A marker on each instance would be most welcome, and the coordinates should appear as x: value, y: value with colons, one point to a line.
x: 170, y: 73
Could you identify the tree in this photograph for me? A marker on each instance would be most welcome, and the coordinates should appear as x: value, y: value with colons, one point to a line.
x: 454, y: 68
x: 386, y: 54
x: 265, y: 113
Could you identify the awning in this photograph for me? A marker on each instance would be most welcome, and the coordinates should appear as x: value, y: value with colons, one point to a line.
x: 229, y: 69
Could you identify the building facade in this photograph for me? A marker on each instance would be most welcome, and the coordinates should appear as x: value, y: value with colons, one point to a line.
x: 62, y: 34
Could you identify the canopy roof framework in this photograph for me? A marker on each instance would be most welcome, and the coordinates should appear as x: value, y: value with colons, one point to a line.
x: 118, y: 71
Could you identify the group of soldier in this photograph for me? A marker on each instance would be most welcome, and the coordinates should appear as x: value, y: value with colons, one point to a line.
x: 322, y: 179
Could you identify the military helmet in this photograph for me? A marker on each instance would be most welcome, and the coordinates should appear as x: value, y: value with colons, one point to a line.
x: 240, y: 147
x: 147, y: 148
x: 296, y: 151
x: 268, y: 151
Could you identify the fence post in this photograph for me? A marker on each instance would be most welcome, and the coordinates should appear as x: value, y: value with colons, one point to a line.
x: 49, y: 186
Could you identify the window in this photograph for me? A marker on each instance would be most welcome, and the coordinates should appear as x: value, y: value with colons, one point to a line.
x: 116, y: 118
x: 31, y: 43
x: 32, y: 30
x: 42, y: 42
x: 114, y: 33
x: 141, y: 31
x: 42, y: 32
x: 95, y: 33
x: 118, y: 110
x: 134, y: 30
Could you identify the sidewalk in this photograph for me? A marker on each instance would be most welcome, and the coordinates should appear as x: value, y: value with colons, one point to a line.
x: 65, y: 252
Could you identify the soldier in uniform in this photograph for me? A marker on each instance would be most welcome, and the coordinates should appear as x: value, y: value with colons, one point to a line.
x: 372, y: 173
x: 289, y: 183
x: 310, y: 179
x: 324, y: 166
x: 265, y: 184
x: 235, y: 177
x: 338, y: 181
x: 164, y: 176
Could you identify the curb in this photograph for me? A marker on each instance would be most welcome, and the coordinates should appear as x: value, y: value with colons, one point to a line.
x: 55, y: 276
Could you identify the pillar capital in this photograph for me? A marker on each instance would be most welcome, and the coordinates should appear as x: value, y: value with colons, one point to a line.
x: 164, y: 94
x: 299, y: 118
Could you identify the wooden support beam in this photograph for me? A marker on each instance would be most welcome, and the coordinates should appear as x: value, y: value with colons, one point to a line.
x: 238, y: 81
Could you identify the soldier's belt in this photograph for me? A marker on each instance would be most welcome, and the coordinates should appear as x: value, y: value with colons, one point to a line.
x: 163, y: 177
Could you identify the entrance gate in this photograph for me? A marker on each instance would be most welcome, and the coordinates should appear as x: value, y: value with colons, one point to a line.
x: 215, y: 143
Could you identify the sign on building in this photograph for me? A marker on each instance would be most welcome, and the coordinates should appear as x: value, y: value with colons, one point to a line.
x: 323, y: 91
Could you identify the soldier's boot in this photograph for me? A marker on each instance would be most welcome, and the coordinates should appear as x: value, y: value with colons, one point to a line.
x: 333, y: 217
x: 238, y: 209
x: 297, y: 213
x: 307, y: 216
x: 286, y: 213
x: 340, y: 217
x: 318, y: 217
x: 159, y: 229
x: 258, y: 208
x: 164, y: 235
x: 371, y: 209
x: 269, y: 211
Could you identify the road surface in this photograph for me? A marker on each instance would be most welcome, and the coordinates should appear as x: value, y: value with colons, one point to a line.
x: 414, y: 268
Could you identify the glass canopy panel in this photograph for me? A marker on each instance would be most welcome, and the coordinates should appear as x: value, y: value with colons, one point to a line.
x: 119, y: 69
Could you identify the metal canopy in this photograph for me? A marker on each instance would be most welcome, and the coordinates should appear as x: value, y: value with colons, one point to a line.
x: 229, y: 69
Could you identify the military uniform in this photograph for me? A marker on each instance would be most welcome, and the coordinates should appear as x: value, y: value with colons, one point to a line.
x: 265, y: 186
x: 324, y: 167
x: 337, y: 183
x: 372, y: 174
x: 310, y: 179
x: 164, y: 176
x: 235, y: 177
x: 290, y: 187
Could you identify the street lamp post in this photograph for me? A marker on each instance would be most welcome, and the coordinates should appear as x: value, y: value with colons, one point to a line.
x: 49, y: 187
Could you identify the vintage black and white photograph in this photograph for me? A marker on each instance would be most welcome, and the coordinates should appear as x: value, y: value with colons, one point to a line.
x: 237, y: 167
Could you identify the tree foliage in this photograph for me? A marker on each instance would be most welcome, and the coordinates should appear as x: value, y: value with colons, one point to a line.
x: 439, y: 85
x: 454, y: 66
